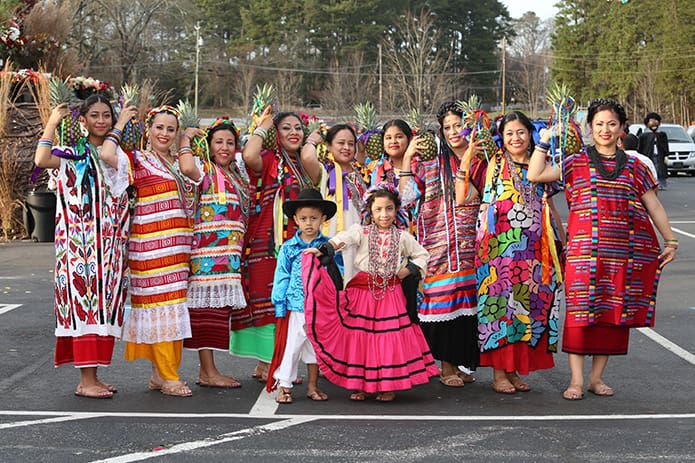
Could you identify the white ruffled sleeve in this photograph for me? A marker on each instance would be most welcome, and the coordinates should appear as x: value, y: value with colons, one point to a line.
x: 116, y: 180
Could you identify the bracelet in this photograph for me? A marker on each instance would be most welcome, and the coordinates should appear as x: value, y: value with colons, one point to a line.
x: 310, y: 141
x: 115, y: 131
x: 185, y: 150
x: 543, y: 146
x: 112, y: 139
x: 115, y: 134
x: 48, y: 143
x: 260, y: 132
x: 461, y: 174
x: 405, y: 174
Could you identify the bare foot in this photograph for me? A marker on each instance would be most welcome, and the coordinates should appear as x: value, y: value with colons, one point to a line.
x: 317, y: 396
x: 386, y: 396
x: 94, y: 391
x: 221, y: 381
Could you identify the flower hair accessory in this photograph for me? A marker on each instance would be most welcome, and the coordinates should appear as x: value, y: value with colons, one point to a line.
x: 222, y: 121
x: 159, y: 110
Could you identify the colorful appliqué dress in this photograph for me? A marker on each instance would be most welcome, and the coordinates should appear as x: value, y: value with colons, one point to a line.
x: 91, y: 239
x: 612, y: 257
x: 519, y: 273
x: 281, y: 179
x: 159, y: 258
x: 346, y: 188
x: 215, y: 286
x: 448, y: 310
x: 363, y: 337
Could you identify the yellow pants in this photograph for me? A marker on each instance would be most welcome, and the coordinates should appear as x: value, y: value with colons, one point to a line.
x: 166, y: 356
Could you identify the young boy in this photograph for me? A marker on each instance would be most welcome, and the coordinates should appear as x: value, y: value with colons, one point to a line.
x: 309, y: 211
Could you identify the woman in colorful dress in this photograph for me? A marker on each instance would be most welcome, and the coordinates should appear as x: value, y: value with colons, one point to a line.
x: 363, y: 337
x: 215, y: 286
x: 159, y: 251
x: 519, y: 272
x: 92, y: 223
x: 275, y: 175
x: 614, y: 259
x: 448, y: 311
x: 342, y: 180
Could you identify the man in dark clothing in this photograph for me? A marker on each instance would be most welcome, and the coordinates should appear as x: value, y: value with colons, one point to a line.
x: 654, y: 144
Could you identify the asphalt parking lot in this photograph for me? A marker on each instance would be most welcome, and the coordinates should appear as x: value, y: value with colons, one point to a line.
x: 651, y: 417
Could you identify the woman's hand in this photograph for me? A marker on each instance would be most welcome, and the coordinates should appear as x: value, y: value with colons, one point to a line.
x: 57, y: 115
x: 265, y: 120
x: 127, y: 113
x: 188, y: 134
x: 669, y: 255
x: 314, y: 137
x: 413, y: 148
x: 475, y: 148
x: 403, y: 273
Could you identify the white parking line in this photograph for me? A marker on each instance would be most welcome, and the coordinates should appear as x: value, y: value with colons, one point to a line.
x: 265, y: 404
x: 684, y: 233
x: 60, y: 419
x: 194, y: 445
x: 4, y: 308
x: 665, y: 343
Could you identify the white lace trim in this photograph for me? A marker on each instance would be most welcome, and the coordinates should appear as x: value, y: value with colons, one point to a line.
x: 448, y: 316
x: 204, y: 295
x: 157, y: 324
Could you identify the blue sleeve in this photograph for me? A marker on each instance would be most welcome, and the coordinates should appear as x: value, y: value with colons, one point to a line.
x: 281, y: 283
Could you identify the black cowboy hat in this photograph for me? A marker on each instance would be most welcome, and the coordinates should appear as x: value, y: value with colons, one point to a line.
x: 309, y: 197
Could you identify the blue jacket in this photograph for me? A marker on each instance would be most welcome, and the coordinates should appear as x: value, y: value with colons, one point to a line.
x: 288, y: 293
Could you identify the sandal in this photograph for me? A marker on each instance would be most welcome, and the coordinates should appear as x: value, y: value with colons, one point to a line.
x: 386, y: 396
x: 466, y: 377
x: 223, y: 384
x: 284, y: 396
x: 261, y: 372
x: 573, y: 392
x: 504, y: 387
x: 518, y: 383
x: 107, y: 386
x: 601, y: 389
x: 153, y: 386
x: 93, y: 392
x: 358, y: 396
x: 452, y: 380
x: 317, y: 396
x: 176, y: 389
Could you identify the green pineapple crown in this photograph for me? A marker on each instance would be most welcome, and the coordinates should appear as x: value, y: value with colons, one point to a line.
x: 187, y: 115
x: 559, y: 95
x: 131, y: 94
x: 366, y: 116
x: 59, y: 92
x: 262, y: 98
x: 469, y: 106
x: 416, y: 120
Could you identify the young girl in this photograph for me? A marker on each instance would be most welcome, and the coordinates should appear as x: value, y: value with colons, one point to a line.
x: 91, y: 236
x: 363, y: 337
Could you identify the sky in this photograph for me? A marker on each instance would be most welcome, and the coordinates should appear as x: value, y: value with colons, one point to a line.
x: 544, y: 9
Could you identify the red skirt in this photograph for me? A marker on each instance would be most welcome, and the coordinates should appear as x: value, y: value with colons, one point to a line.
x: 520, y: 357
x: 89, y: 350
x: 362, y: 343
x: 596, y: 340
x: 209, y: 329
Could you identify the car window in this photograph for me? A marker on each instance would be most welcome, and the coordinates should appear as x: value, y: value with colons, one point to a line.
x: 676, y: 134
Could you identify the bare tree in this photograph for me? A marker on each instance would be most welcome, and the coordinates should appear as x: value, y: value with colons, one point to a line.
x: 529, y: 68
x: 347, y: 84
x: 418, y: 77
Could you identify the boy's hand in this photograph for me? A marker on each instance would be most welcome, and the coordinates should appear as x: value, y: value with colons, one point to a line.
x: 313, y: 251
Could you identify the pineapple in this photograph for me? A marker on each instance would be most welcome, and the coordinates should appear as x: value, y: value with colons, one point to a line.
x: 417, y: 122
x: 475, y: 118
x: 371, y: 137
x: 59, y: 92
x: 563, y: 111
x: 132, y: 132
x: 188, y: 118
x: 263, y: 98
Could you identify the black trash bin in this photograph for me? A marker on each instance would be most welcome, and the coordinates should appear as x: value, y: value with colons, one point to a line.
x: 40, y: 215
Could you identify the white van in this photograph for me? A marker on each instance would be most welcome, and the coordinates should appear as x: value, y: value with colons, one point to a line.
x: 681, y: 156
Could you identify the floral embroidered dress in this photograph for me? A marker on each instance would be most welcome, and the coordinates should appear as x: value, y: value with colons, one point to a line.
x: 91, y: 238
x: 612, y: 256
x: 448, y: 310
x: 518, y: 270
x: 215, y: 286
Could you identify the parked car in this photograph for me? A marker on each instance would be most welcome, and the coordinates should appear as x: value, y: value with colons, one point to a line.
x: 681, y: 147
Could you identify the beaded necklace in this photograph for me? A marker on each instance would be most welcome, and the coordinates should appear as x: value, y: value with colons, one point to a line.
x: 233, y: 174
x: 597, y: 162
x: 382, y: 266
x: 528, y: 190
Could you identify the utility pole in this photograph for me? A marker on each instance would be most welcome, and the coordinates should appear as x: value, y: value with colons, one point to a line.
x: 504, y: 72
x: 380, y: 80
x: 197, y: 66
